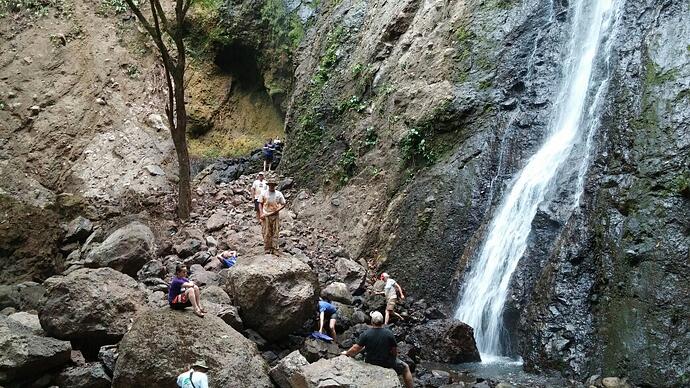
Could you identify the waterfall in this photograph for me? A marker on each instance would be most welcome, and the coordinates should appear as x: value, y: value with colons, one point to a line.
x: 486, y: 285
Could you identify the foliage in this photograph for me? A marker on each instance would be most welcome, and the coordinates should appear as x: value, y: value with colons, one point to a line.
x: 286, y: 28
x: 330, y: 57
x: 206, y: 30
x: 36, y: 8
x: 415, y: 148
x: 370, y: 138
x: 352, y: 103
x: 346, y: 168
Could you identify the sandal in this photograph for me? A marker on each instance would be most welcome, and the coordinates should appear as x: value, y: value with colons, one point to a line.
x: 199, y: 313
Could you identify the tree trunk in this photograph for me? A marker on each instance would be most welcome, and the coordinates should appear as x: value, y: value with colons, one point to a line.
x: 184, y: 201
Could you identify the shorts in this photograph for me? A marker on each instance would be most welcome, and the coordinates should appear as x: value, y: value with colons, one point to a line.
x: 328, y: 317
x: 268, y: 158
x: 390, y: 306
x: 256, y: 205
x: 398, y: 366
x: 180, y: 302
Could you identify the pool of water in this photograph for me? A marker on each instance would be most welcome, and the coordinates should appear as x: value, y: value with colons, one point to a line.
x: 502, y: 370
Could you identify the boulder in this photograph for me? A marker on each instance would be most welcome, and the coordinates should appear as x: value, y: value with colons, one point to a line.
x: 107, y: 355
x: 286, y: 368
x: 614, y: 382
x: 344, y: 371
x: 177, y: 339
x: 26, y: 355
x: 28, y: 320
x: 276, y: 295
x: 126, y: 250
x: 187, y: 247
x: 91, y: 375
x: 9, y: 296
x: 351, y: 273
x: 445, y: 340
x: 91, y: 307
x: 437, y: 378
x: 202, y: 277
x: 218, y: 302
x: 315, y: 349
x: 337, y: 292
x: 217, y: 221
x: 78, y: 230
x: 31, y: 296
x: 152, y: 269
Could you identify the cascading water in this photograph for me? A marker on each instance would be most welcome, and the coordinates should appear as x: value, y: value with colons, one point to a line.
x: 486, y: 285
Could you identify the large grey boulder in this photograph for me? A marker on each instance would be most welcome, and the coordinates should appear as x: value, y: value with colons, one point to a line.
x: 126, y: 250
x: 166, y: 342
x: 93, y: 307
x: 276, y: 295
x: 217, y: 221
x: 217, y: 302
x: 344, y: 371
x: 351, y: 273
x: 26, y: 355
x: 28, y: 320
x: 91, y: 375
x: 337, y: 292
x: 315, y: 349
x: 78, y: 230
x: 286, y: 368
x: 444, y: 340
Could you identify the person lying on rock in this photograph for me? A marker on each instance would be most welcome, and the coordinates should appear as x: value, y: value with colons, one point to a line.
x: 391, y: 290
x: 380, y: 348
x: 327, y: 311
x: 195, y: 377
x: 271, y: 203
x: 227, y: 258
x: 184, y: 293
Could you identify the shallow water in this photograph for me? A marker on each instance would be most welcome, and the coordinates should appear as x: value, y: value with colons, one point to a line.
x: 502, y: 370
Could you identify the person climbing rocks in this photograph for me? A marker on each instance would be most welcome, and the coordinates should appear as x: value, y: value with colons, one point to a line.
x: 268, y: 150
x: 195, y: 377
x: 258, y: 187
x: 271, y: 203
x: 380, y: 348
x: 391, y: 290
x: 227, y: 258
x: 327, y: 312
x: 184, y: 293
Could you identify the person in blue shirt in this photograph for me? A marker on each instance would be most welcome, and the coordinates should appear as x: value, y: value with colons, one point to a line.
x: 227, y: 258
x: 327, y: 311
x: 268, y: 150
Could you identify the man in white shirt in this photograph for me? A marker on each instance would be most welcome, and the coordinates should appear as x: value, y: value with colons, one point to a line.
x: 391, y: 290
x: 195, y: 377
x: 258, y: 187
x: 271, y: 202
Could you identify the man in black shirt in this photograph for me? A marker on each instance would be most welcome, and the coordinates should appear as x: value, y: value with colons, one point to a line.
x: 380, y: 348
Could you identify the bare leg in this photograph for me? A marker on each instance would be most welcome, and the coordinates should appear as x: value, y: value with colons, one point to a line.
x: 192, y: 298
x: 388, y: 316
x: 264, y: 165
x: 197, y: 294
x: 407, y: 378
x: 332, y: 327
x: 399, y: 316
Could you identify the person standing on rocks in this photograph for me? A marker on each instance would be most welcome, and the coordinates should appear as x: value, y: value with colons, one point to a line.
x: 184, y: 293
x: 195, y: 377
x: 391, y: 290
x: 258, y: 187
x: 380, y: 348
x: 271, y: 203
x: 268, y: 150
x: 327, y: 311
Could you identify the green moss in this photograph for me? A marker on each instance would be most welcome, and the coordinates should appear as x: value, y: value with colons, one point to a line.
x: 286, y: 28
x: 345, y: 168
x: 329, y: 58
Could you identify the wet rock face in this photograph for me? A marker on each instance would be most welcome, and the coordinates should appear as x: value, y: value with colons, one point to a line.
x: 445, y: 340
x: 178, y: 339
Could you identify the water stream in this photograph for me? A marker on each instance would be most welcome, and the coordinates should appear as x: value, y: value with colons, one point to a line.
x: 574, y: 120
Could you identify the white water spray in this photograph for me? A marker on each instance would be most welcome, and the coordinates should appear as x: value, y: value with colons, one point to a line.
x: 486, y: 285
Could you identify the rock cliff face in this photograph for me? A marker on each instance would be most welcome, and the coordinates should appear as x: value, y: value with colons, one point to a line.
x: 415, y: 115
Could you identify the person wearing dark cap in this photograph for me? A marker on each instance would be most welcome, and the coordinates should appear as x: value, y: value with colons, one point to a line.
x: 380, y: 348
x: 271, y: 202
x: 195, y: 377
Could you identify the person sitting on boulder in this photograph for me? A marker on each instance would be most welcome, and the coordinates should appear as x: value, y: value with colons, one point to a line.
x: 380, y: 348
x: 195, y: 377
x: 327, y: 311
x: 184, y: 293
x: 228, y: 258
x: 391, y: 290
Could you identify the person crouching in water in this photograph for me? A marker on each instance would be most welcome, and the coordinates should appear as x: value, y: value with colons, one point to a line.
x: 184, y: 293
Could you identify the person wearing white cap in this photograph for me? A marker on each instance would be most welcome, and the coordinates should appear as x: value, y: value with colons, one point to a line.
x: 258, y: 187
x: 380, y: 348
x: 195, y: 377
x: 391, y: 290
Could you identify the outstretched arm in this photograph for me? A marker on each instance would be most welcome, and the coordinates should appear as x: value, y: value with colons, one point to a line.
x: 322, y: 316
x: 402, y: 296
x: 352, y: 351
